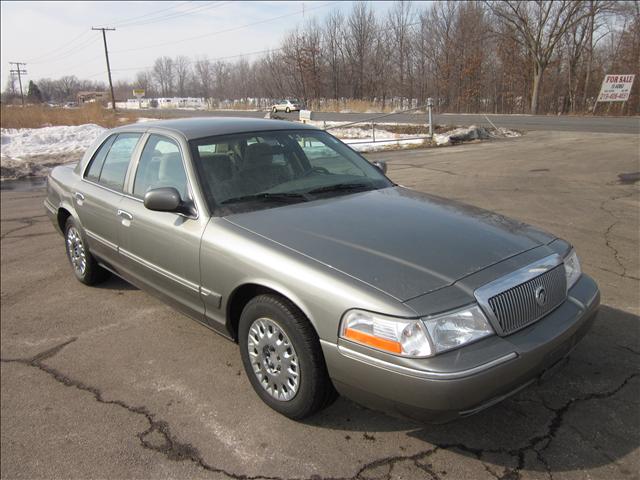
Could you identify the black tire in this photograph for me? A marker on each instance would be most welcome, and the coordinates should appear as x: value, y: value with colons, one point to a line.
x: 92, y: 273
x: 288, y: 110
x: 315, y: 390
x: 275, y: 110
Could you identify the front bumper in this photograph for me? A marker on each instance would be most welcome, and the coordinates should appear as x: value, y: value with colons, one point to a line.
x: 467, y: 380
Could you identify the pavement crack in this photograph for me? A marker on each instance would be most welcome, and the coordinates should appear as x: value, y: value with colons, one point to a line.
x: 392, y: 460
x: 628, y: 349
x: 607, y: 233
x: 159, y: 438
x: 25, y: 221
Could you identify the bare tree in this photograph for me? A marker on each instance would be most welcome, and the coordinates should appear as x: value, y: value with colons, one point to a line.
x: 539, y: 25
x: 360, y: 34
x: 182, y: 67
x: 164, y: 74
x: 203, y: 72
x: 333, y: 40
x: 144, y: 80
x: 400, y: 18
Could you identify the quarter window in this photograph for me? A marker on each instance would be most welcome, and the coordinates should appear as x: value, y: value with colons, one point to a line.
x: 160, y: 165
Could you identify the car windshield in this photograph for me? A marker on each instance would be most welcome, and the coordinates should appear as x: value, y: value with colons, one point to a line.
x: 269, y: 169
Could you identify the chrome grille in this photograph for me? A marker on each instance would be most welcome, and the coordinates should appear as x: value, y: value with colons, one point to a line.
x: 517, y: 307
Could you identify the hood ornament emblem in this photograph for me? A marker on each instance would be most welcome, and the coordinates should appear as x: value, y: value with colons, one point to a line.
x: 541, y: 296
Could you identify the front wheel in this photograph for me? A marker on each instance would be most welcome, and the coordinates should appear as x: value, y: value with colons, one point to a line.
x: 85, y: 267
x: 274, y: 110
x: 288, y: 110
x: 282, y: 357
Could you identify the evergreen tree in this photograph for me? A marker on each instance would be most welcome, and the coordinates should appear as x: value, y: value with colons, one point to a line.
x: 33, y: 94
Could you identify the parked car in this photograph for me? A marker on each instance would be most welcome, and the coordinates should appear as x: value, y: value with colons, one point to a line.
x: 330, y: 277
x: 286, y: 106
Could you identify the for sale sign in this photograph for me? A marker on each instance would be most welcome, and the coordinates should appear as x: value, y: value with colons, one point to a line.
x: 616, y: 88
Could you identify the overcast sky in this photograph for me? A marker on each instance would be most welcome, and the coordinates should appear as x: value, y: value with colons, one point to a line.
x: 55, y: 39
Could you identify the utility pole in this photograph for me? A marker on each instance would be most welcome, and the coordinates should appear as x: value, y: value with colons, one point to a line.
x: 106, y: 54
x: 20, y: 72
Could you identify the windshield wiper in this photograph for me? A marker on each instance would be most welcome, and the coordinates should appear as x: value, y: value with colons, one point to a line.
x: 277, y: 197
x: 340, y: 186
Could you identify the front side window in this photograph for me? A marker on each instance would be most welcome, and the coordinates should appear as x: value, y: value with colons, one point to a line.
x: 243, y: 172
x: 160, y: 166
x: 113, y: 166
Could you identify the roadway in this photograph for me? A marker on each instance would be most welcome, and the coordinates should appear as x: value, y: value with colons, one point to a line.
x: 590, y: 124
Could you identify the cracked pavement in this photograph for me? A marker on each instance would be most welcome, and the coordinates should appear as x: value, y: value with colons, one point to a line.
x: 109, y: 382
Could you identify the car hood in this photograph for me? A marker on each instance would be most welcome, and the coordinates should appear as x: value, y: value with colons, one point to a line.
x: 402, y: 242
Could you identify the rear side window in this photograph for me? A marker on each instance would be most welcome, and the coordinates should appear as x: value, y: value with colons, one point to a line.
x: 115, y: 165
x: 95, y: 168
x: 116, y: 162
x: 160, y: 165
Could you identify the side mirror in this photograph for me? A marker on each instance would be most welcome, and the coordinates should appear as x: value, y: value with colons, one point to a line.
x: 165, y: 199
x: 381, y: 165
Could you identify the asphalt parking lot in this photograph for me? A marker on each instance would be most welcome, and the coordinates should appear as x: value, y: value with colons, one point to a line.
x: 109, y: 382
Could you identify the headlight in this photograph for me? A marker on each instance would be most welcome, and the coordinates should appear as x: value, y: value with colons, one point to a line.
x: 453, y: 329
x: 572, y: 268
x: 399, y: 336
x: 415, y: 338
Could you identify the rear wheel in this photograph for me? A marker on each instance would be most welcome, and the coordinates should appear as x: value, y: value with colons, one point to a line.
x: 288, y: 110
x: 85, y: 267
x: 282, y: 357
x: 274, y: 110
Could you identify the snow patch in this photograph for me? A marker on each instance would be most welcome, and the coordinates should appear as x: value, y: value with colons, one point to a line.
x: 33, y: 151
x: 368, y: 145
x: 464, y: 134
x: 20, y: 143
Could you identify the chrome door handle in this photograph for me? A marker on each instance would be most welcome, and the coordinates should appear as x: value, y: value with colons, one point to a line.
x: 125, y: 215
x: 78, y: 196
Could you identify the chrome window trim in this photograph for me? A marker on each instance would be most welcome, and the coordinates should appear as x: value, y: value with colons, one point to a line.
x: 513, y: 279
x: 122, y: 194
x: 423, y: 374
x: 152, y: 266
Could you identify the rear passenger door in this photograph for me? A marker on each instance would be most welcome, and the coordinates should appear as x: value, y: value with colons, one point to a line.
x: 162, y: 249
x: 98, y: 195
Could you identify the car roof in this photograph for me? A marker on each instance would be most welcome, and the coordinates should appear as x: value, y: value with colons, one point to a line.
x: 200, y: 127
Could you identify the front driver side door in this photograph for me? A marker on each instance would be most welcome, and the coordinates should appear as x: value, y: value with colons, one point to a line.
x: 162, y: 249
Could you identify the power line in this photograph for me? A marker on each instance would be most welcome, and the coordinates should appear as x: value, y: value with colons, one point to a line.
x: 246, y: 54
x: 70, y: 53
x: 123, y: 21
x: 106, y: 54
x: 20, y: 72
x: 173, y: 15
x: 62, y: 47
x: 222, y: 31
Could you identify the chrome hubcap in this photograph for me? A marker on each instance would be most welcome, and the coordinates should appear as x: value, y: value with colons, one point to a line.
x: 273, y: 358
x: 76, y: 251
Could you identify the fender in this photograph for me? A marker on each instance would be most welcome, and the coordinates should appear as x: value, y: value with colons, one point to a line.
x: 278, y: 288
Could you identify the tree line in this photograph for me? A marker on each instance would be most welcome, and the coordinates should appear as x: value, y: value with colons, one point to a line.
x: 502, y: 56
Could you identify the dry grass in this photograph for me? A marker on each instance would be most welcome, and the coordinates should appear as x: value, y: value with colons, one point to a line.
x: 36, y: 116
